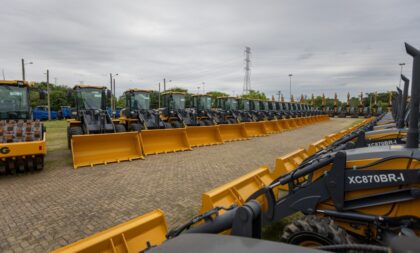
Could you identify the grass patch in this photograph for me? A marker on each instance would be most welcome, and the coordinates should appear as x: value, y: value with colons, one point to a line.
x: 56, y: 134
x: 273, y: 231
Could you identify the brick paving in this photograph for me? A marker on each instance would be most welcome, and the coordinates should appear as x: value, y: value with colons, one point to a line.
x: 43, y: 211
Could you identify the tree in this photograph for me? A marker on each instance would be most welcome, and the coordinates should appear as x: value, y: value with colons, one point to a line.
x: 177, y: 89
x: 253, y: 94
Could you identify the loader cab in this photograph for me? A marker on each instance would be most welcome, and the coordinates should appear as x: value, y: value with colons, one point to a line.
x: 14, y: 100
x: 227, y: 103
x: 202, y: 102
x: 91, y: 116
x: 244, y: 104
x: 90, y: 97
x: 254, y: 105
x: 264, y: 105
x: 174, y: 100
x: 136, y: 99
x: 138, y: 114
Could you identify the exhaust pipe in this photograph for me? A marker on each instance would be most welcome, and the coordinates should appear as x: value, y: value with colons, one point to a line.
x: 404, y: 101
x: 397, y: 104
x: 413, y: 128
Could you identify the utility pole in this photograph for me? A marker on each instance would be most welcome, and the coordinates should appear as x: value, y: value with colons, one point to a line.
x: 164, y: 84
x: 279, y: 95
x: 111, y: 82
x: 23, y: 69
x: 48, y: 94
x: 247, y: 79
x: 290, y: 85
x: 2, y: 71
x: 113, y: 94
x: 401, y: 65
x: 159, y: 96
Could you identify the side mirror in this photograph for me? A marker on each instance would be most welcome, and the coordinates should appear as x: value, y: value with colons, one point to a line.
x: 42, y: 94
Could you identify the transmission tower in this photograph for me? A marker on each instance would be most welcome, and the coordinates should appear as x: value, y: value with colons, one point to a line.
x: 247, y: 79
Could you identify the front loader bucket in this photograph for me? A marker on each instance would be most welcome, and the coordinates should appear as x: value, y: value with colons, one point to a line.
x: 133, y: 236
x: 236, y: 191
x: 158, y: 141
x: 255, y: 129
x: 92, y: 149
x: 233, y: 132
x: 288, y: 163
x: 271, y: 126
x: 204, y: 135
x: 283, y: 124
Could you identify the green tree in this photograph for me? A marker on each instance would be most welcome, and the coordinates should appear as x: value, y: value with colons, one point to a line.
x: 253, y: 94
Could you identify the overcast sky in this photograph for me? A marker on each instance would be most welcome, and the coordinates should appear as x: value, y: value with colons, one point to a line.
x: 329, y: 46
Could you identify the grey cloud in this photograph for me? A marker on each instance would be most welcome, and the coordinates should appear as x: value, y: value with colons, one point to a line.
x: 329, y: 46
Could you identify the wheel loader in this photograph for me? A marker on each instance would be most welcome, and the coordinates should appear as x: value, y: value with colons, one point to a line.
x: 22, y: 140
x: 171, y: 135
x: 202, y: 113
x: 137, y: 114
x: 93, y: 137
x: 202, y: 129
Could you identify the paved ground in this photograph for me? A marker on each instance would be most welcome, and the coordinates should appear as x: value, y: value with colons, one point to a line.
x: 43, y: 211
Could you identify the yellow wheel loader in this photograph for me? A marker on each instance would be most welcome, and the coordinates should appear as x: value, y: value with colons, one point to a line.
x: 137, y: 114
x: 201, y: 127
x: 226, y: 115
x: 22, y: 140
x: 92, y: 136
x: 163, y: 130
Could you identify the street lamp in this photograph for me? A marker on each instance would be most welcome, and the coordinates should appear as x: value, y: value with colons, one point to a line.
x: 203, y: 83
x: 112, y: 86
x: 198, y: 89
x: 23, y: 68
x: 401, y: 65
x: 290, y: 85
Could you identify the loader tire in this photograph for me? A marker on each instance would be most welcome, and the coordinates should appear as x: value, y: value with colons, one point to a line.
x: 74, y: 130
x: 313, y: 231
x: 120, y: 128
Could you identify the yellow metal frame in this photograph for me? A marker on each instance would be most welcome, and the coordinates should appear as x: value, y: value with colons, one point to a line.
x: 23, y: 149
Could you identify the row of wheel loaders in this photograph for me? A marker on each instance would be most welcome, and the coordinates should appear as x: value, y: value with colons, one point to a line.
x: 22, y: 139
x: 95, y: 138
x: 346, y: 110
x: 351, y: 198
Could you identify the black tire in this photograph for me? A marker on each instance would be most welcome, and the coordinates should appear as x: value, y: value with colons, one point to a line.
x: 135, y: 127
x: 313, y: 231
x: 167, y: 125
x: 120, y: 128
x: 74, y: 130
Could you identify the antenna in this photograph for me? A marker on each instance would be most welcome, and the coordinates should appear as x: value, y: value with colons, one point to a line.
x: 247, y: 79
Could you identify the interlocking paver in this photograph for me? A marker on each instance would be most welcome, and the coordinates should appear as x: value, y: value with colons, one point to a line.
x: 43, y: 211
